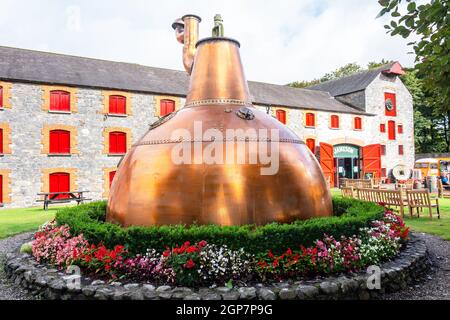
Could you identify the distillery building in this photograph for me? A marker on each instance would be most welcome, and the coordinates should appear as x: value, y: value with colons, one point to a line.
x: 66, y: 121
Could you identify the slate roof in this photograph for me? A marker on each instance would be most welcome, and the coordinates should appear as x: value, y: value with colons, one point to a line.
x: 21, y: 65
x: 353, y: 83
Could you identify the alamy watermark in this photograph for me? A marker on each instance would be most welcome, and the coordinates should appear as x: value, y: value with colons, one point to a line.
x: 374, y: 279
x: 234, y: 146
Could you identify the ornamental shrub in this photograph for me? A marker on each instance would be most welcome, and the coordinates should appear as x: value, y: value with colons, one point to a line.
x: 349, y: 217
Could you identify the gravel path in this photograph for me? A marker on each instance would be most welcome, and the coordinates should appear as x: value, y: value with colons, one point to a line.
x: 435, y: 287
x: 437, y: 284
x: 9, y: 291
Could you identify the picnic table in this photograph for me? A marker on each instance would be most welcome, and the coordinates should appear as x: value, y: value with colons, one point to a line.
x: 63, y: 197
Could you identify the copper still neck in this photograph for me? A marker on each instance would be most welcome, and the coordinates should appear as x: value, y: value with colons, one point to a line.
x: 186, y: 32
x: 218, y: 74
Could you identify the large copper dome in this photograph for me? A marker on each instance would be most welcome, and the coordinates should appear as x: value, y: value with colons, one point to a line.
x: 151, y: 189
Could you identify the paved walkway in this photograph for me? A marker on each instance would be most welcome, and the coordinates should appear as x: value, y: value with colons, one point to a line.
x: 436, y: 285
x: 8, y: 291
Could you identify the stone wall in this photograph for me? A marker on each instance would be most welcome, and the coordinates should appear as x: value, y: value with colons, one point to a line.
x: 406, y: 269
x: 27, y: 119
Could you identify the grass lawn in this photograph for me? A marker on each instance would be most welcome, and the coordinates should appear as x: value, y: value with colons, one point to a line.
x: 15, y: 221
x: 439, y: 227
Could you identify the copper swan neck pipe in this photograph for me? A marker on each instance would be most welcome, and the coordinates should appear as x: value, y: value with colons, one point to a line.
x: 186, y: 31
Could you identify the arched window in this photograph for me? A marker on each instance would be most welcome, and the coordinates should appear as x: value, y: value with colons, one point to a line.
x: 117, y: 105
x: 310, y: 119
x: 1, y: 141
x: 111, y: 177
x: 358, y: 123
x: 391, y: 130
x: 335, y: 122
x: 59, y: 100
x: 166, y: 107
x: 59, y: 142
x: 117, y: 143
x: 311, y: 143
x: 281, y: 116
x: 60, y: 182
x: 1, y: 97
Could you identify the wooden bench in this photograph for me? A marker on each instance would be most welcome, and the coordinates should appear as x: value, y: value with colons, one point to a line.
x: 420, y: 199
x: 443, y: 191
x: 391, y: 198
x: 358, y: 183
x: 348, y: 192
x: 67, y: 197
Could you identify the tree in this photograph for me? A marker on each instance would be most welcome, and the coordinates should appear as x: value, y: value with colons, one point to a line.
x: 373, y: 64
x: 431, y: 23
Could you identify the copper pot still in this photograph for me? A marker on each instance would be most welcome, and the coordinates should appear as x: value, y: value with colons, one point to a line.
x: 216, y: 137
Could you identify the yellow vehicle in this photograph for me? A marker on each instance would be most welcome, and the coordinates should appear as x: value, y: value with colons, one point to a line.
x: 433, y: 167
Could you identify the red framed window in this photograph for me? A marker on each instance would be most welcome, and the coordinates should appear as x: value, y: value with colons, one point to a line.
x: 59, y: 142
x: 390, y: 104
x: 383, y: 172
x: 60, y: 182
x: 1, y: 97
x: 382, y: 128
x: 310, y: 119
x: 311, y: 144
x: 391, y: 130
x: 335, y: 122
x: 400, y: 128
x: 117, y: 143
x: 117, y: 105
x: 1, y: 141
x: 400, y: 150
x: 112, y: 174
x: 59, y: 100
x: 1, y: 188
x: 358, y: 123
x: 166, y: 107
x: 281, y: 116
x: 383, y: 150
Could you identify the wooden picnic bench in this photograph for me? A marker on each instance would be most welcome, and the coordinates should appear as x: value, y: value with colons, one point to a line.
x: 62, y: 197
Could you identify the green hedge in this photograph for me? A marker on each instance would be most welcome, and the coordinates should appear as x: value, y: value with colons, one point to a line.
x: 349, y: 216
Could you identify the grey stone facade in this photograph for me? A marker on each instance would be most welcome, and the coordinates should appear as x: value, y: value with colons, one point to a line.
x: 27, y: 118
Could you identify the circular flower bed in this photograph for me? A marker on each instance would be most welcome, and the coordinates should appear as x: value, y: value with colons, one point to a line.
x: 224, y: 255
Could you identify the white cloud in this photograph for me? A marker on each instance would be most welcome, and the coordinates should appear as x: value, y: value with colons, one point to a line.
x: 282, y: 41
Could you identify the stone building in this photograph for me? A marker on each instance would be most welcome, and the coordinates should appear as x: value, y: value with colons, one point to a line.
x: 66, y: 121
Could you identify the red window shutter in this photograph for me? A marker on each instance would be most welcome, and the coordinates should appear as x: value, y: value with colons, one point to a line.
x: 60, y: 182
x: 111, y: 177
x: 335, y: 122
x: 358, y: 123
x: 400, y: 150
x: 400, y: 129
x: 310, y: 120
x: 372, y: 159
x: 383, y: 150
x: 117, y: 105
x: 1, y: 97
x: 59, y: 142
x: 392, y: 97
x: 59, y: 101
x: 382, y: 127
x: 311, y: 143
x: 117, y: 142
x: 281, y: 116
x: 166, y: 107
x: 1, y: 189
x: 1, y: 141
x: 391, y: 130
x: 327, y: 161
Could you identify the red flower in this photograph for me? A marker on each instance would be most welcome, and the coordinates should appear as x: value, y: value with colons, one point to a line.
x: 189, y: 264
x: 191, y: 249
x: 166, y: 253
x: 202, y: 243
x: 289, y: 252
x: 270, y: 254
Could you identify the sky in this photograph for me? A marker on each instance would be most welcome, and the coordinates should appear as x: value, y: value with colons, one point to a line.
x: 281, y: 41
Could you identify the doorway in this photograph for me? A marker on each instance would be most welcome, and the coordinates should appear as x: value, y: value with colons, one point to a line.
x: 347, y: 162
